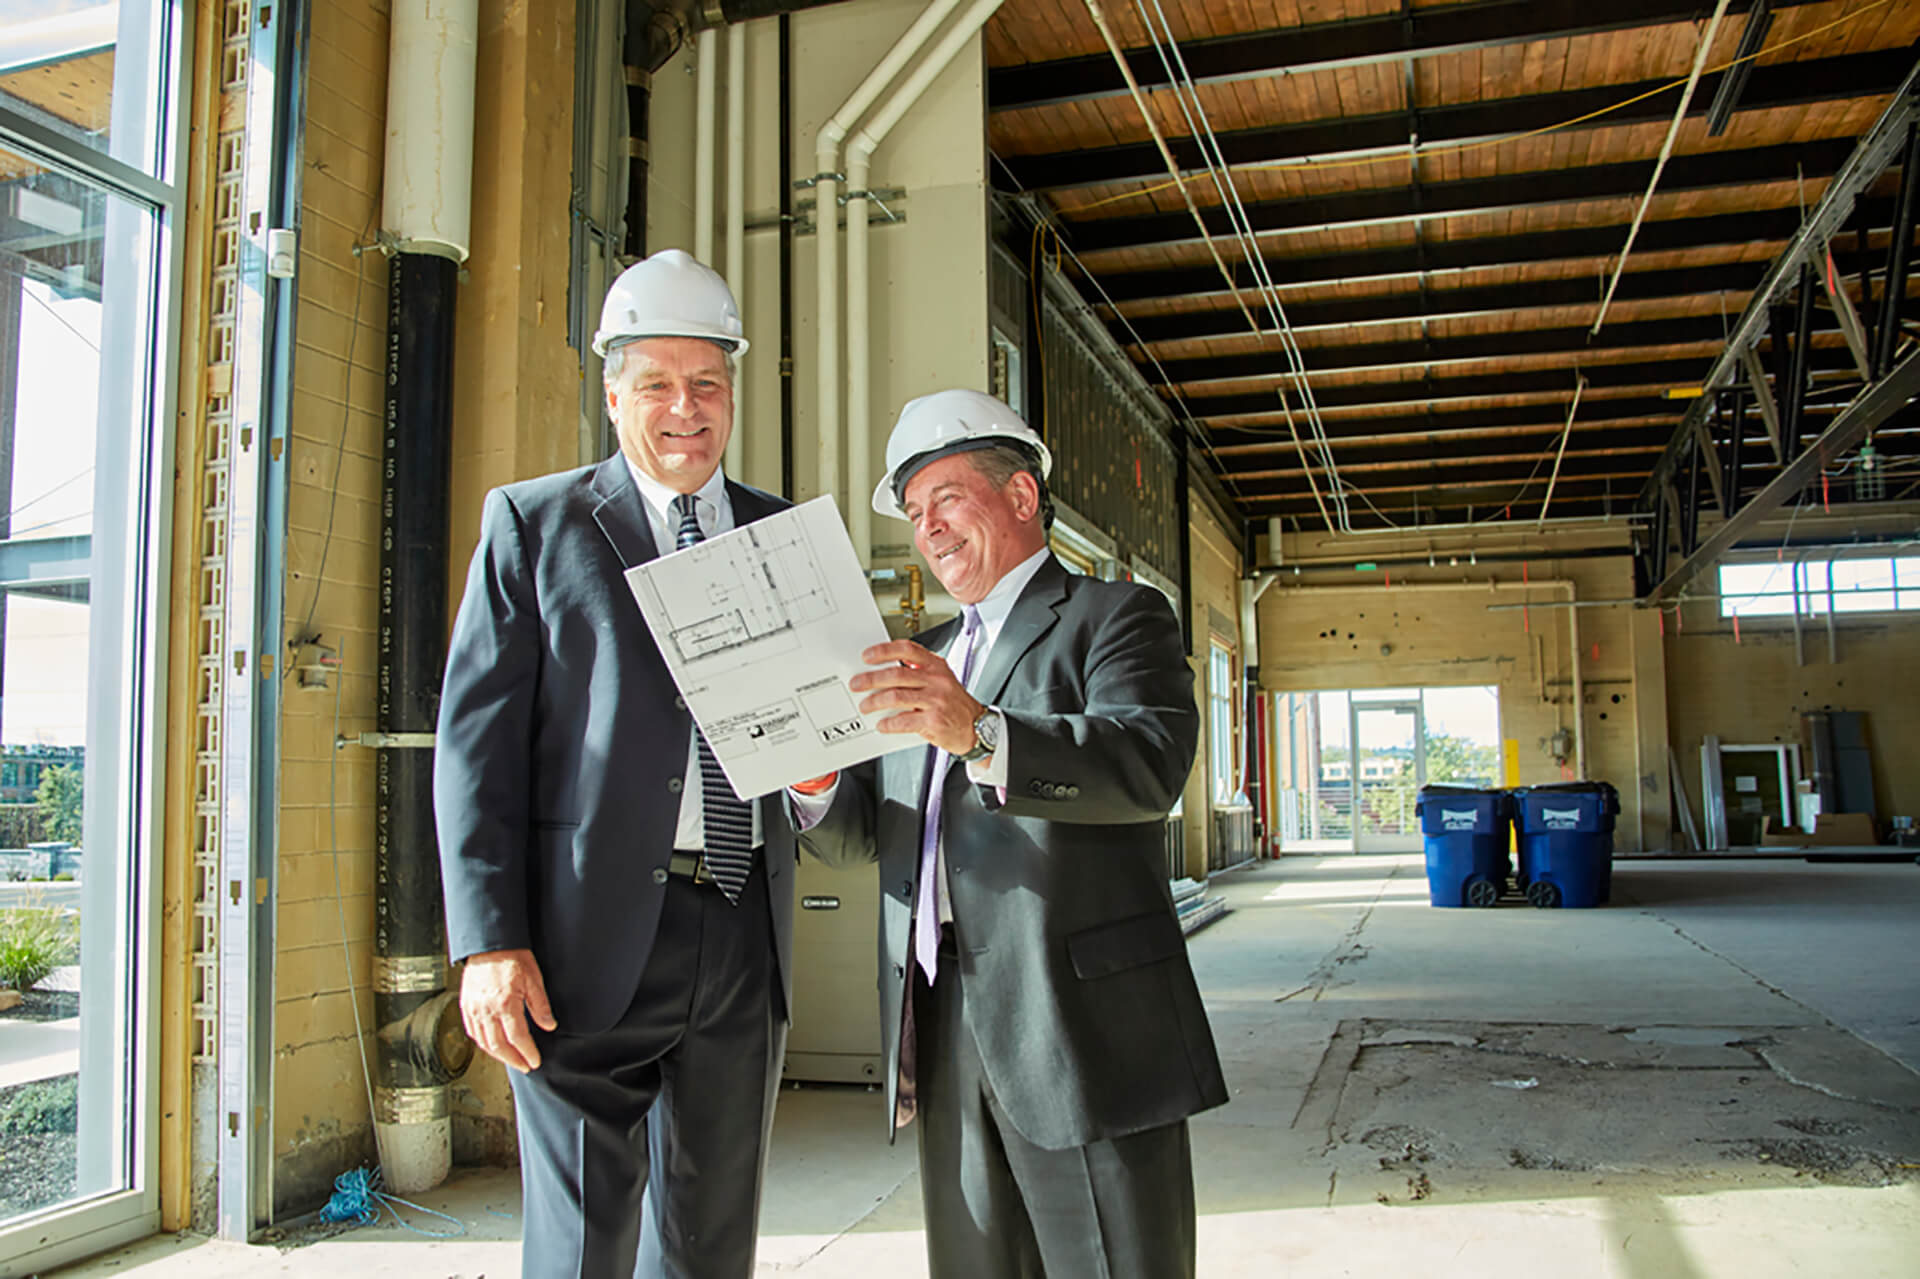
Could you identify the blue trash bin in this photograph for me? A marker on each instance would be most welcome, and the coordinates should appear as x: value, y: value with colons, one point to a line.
x: 1465, y: 830
x: 1566, y: 842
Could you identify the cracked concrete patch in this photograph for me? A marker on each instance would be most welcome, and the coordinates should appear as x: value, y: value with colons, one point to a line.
x: 1400, y: 1098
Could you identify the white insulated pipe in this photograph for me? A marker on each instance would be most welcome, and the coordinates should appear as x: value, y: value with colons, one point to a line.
x: 428, y: 202
x: 736, y: 265
x: 859, y: 164
x: 707, y: 63
x: 826, y: 155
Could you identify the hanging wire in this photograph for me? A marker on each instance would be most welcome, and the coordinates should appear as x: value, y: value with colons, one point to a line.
x: 1187, y: 95
x: 1397, y: 154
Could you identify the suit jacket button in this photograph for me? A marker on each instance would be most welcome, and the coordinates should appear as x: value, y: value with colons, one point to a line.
x: 1073, y: 792
x: 674, y: 784
x: 660, y: 875
x: 679, y: 702
x: 906, y: 888
x: 1034, y: 786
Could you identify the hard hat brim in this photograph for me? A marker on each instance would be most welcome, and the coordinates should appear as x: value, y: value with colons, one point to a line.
x: 604, y: 342
x: 884, y: 501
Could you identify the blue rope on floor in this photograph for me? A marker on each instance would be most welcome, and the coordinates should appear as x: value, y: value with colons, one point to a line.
x: 357, y: 1198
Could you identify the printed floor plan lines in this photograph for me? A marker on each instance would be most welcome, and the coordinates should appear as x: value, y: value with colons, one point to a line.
x: 744, y: 598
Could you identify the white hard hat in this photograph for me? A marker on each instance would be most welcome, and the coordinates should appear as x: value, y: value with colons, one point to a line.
x: 669, y: 295
x: 948, y: 422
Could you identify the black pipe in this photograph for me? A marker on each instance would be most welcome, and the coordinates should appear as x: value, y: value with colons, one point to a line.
x: 1183, y: 512
x: 1690, y: 514
x: 409, y: 979
x: 786, y: 258
x: 1660, y: 548
x: 1867, y: 311
x: 1899, y: 255
x: 1796, y: 395
x: 1735, y: 440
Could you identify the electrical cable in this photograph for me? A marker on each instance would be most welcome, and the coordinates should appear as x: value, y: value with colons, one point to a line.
x: 1187, y: 95
x: 361, y: 248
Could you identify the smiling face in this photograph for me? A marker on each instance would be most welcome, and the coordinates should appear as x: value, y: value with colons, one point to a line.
x: 672, y: 404
x: 970, y: 532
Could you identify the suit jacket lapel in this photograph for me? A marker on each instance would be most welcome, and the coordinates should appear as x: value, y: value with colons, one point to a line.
x: 1034, y: 614
x: 622, y: 513
x: 749, y: 504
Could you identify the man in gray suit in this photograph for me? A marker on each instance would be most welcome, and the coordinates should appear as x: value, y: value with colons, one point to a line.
x: 625, y: 920
x: 1039, y: 1012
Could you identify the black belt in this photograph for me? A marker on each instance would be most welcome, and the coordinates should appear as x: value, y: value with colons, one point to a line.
x: 693, y: 866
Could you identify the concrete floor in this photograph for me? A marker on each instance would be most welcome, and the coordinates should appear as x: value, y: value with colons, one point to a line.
x: 1714, y: 1076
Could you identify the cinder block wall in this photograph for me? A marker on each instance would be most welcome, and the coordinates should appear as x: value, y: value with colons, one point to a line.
x: 321, y: 1126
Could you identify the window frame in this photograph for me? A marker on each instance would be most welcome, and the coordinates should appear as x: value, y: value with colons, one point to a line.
x: 129, y: 737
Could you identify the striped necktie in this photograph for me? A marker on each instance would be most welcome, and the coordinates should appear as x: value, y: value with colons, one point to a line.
x: 728, y: 821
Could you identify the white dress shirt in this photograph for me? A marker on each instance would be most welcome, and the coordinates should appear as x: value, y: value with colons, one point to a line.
x: 715, y: 510
x: 990, y: 771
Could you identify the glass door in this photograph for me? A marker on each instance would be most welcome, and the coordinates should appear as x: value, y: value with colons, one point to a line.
x: 1389, y: 767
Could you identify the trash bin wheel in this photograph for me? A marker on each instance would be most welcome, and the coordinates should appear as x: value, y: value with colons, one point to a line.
x: 1482, y: 892
x: 1542, y: 894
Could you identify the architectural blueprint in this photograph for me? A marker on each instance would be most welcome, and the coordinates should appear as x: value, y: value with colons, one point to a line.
x: 762, y: 628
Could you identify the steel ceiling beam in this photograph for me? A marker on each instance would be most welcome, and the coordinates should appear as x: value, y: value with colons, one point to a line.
x: 1453, y: 494
x: 1394, y: 202
x: 1326, y: 46
x: 1384, y: 459
x: 1733, y: 82
x: 1836, y: 79
x: 1466, y: 348
x: 1441, y: 429
x: 1875, y: 406
x: 1881, y: 146
x: 1444, y: 256
x: 1443, y: 390
x: 1447, y: 304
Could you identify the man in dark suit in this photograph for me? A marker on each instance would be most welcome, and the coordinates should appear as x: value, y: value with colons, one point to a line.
x: 1039, y: 1012
x: 625, y: 920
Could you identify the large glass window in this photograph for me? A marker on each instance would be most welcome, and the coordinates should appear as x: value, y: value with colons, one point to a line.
x: 86, y: 216
x: 1220, y: 753
x: 1876, y: 584
x: 93, y: 73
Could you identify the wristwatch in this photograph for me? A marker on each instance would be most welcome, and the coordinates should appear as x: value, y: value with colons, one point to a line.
x: 986, y: 736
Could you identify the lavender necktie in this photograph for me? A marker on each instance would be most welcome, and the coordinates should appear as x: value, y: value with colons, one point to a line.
x: 926, y: 915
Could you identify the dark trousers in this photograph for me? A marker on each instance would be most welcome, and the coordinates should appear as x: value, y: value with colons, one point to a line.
x: 642, y: 1146
x: 999, y: 1207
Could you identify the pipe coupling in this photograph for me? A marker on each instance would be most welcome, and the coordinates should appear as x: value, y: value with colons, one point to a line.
x: 409, y: 1105
x: 409, y: 974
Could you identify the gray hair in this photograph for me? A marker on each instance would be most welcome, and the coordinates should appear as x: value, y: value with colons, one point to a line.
x: 1001, y: 462
x: 614, y: 363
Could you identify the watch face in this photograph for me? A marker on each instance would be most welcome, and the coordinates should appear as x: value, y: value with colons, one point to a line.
x: 987, y: 730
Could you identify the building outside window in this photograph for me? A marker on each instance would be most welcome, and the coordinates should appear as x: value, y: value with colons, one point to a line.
x: 1221, y: 756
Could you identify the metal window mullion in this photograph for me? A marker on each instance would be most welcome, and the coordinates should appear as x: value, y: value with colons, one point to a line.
x: 254, y: 548
x: 46, y: 146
